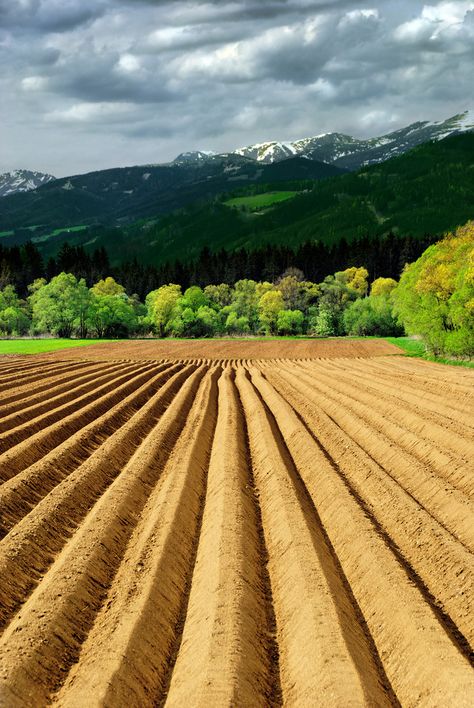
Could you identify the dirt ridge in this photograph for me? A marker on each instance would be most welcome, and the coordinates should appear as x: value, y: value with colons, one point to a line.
x: 224, y: 530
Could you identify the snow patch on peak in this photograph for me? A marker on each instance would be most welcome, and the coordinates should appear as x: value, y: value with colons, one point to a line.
x: 193, y: 157
x: 22, y: 181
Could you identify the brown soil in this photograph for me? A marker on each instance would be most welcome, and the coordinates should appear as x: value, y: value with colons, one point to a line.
x: 237, y: 349
x: 192, y: 532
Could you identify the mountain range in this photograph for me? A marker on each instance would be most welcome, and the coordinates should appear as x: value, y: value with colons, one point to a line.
x: 22, y: 181
x: 161, y: 212
x: 428, y: 190
x: 344, y: 150
x: 337, y: 149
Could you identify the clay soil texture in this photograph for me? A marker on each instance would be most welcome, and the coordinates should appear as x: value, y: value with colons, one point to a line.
x: 223, y: 532
x: 235, y: 349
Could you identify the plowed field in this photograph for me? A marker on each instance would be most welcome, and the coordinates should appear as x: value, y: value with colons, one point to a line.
x: 199, y: 532
x: 232, y: 349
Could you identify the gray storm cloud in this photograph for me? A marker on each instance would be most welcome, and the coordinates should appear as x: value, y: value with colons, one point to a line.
x: 87, y: 85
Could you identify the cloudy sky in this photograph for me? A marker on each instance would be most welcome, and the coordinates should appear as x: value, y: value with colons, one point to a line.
x: 89, y: 84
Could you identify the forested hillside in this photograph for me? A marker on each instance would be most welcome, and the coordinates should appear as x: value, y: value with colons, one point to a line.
x: 428, y: 190
x: 123, y: 195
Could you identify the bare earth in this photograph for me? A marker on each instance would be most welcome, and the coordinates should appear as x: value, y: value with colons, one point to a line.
x: 268, y: 532
x: 231, y: 349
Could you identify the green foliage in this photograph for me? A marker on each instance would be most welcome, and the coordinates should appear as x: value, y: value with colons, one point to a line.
x: 371, y: 316
x: 235, y: 324
x: 415, y: 347
x: 14, y: 315
x: 162, y: 306
x: 112, y: 313
x: 383, y: 286
x: 269, y: 306
x: 260, y: 201
x: 434, y: 299
x: 60, y: 306
x: 427, y: 190
x: 337, y: 291
x: 290, y: 322
x: 435, y: 296
x: 412, y: 346
x: 218, y: 295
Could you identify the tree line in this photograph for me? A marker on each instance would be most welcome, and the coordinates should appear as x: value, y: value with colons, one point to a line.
x: 434, y: 299
x: 381, y: 256
x: 65, y: 306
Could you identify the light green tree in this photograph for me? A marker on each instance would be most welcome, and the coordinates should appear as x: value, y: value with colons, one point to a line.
x: 435, y: 296
x: 383, y: 286
x: 245, y: 301
x: 162, y: 307
x: 355, y: 279
x: 269, y: 306
x: 290, y: 322
x: 194, y: 298
x: 14, y: 315
x: 112, y: 313
x: 60, y: 306
x: 235, y: 324
x: 219, y: 296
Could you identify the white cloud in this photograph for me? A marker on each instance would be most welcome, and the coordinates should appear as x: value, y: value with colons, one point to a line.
x: 443, y: 19
x: 128, y: 63
x: 89, y: 112
x: 448, y: 13
x: 373, y: 118
x: 356, y: 15
x: 34, y: 83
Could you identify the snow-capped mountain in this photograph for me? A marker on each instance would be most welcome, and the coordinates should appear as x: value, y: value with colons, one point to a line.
x: 346, y: 151
x: 194, y: 157
x: 22, y: 181
x: 268, y: 152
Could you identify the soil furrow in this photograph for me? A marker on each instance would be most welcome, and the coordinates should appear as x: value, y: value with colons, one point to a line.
x: 41, y: 443
x: 431, y: 371
x: 126, y: 657
x: 440, y: 411
x: 224, y: 657
x: 75, y: 390
x: 313, y: 607
x: 442, y: 565
x: 44, y: 639
x: 407, y: 458
x: 411, y: 432
x: 421, y: 393
x: 184, y: 524
x: 21, y: 393
x: 23, y: 492
x: 17, y: 380
x: 53, y: 387
x: 106, y: 383
x: 420, y: 660
x: 29, y: 549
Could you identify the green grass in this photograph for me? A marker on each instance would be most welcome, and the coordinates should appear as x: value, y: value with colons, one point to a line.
x: 413, y: 347
x: 38, y: 346
x: 261, y: 201
x: 63, y: 229
x: 416, y: 348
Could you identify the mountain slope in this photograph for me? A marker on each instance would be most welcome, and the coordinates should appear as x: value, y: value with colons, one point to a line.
x: 352, y: 153
x: 22, y: 181
x: 123, y: 195
x: 428, y: 190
